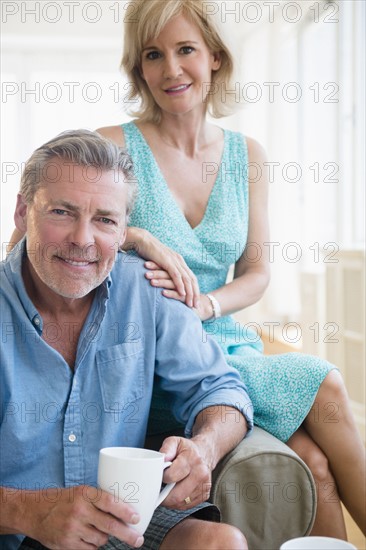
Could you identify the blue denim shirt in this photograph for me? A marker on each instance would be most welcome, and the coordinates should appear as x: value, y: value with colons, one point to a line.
x: 55, y: 420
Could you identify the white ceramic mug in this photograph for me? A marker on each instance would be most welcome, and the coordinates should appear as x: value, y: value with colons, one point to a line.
x: 135, y: 477
x: 317, y: 543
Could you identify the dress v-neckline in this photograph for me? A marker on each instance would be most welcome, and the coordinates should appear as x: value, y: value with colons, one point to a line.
x: 168, y: 190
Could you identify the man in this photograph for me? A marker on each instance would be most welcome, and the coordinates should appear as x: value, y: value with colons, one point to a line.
x: 83, y: 336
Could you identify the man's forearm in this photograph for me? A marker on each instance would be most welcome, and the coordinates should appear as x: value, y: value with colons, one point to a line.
x: 217, y: 430
x: 134, y: 239
x: 12, y: 510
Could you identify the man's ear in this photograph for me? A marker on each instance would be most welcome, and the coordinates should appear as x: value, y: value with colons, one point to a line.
x: 20, y: 214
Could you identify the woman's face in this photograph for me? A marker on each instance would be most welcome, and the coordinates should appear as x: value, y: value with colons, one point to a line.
x: 177, y: 67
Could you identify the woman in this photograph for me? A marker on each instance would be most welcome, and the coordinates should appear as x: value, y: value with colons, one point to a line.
x: 199, y: 201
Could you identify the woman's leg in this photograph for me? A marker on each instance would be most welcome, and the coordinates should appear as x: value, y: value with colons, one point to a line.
x: 196, y: 534
x: 331, y: 425
x: 329, y: 519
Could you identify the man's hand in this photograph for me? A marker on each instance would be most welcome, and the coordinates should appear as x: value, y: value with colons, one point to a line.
x: 216, y: 431
x: 189, y: 470
x: 75, y: 518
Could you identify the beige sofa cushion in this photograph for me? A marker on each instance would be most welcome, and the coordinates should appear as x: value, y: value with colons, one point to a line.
x: 266, y: 490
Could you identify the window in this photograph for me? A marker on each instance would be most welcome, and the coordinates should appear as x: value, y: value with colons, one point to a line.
x: 313, y: 128
x: 49, y: 86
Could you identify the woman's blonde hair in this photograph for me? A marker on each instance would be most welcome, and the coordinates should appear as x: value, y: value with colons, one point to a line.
x: 144, y: 21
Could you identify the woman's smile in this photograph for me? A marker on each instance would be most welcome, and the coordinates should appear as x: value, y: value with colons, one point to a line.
x: 176, y: 90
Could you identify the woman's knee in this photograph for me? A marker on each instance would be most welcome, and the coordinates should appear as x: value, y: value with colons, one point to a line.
x: 333, y: 388
x: 331, y: 404
x: 311, y: 454
x: 318, y: 463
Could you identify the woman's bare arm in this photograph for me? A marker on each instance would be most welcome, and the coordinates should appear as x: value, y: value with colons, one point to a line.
x: 252, y: 273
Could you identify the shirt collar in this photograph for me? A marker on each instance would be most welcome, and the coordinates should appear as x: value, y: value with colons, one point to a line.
x: 13, y: 268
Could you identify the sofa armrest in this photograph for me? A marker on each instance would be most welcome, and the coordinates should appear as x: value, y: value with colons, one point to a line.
x: 263, y: 488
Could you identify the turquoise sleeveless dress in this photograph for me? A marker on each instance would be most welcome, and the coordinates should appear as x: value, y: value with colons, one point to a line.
x: 282, y: 387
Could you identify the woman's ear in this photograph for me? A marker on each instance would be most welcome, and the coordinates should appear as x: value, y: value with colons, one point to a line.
x: 20, y: 214
x: 140, y: 72
x: 216, y: 63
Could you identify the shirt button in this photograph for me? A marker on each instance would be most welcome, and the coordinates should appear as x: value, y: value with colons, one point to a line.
x: 37, y: 321
x: 72, y: 438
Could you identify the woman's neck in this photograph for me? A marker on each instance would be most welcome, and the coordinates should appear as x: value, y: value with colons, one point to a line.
x: 188, y: 133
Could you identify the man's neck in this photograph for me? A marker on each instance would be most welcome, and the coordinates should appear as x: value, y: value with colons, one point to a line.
x: 68, y: 315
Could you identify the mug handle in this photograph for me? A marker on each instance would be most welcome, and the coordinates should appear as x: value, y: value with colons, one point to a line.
x: 165, y: 492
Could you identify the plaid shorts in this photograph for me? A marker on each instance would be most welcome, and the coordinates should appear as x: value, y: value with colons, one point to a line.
x: 162, y: 521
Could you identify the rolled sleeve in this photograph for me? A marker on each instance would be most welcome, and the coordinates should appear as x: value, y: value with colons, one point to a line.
x: 192, y: 368
x: 224, y: 400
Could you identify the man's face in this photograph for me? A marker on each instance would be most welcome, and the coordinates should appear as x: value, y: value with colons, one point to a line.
x: 74, y: 227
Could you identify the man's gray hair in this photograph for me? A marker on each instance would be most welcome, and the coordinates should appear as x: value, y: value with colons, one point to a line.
x: 83, y: 148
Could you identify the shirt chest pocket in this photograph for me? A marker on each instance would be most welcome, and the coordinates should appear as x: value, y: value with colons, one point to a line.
x: 121, y: 375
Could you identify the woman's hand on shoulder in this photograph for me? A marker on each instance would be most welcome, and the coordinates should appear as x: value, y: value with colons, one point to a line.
x: 160, y: 278
x: 114, y: 133
x: 168, y: 270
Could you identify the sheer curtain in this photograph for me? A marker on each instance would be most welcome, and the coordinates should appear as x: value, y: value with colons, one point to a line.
x: 311, y: 119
